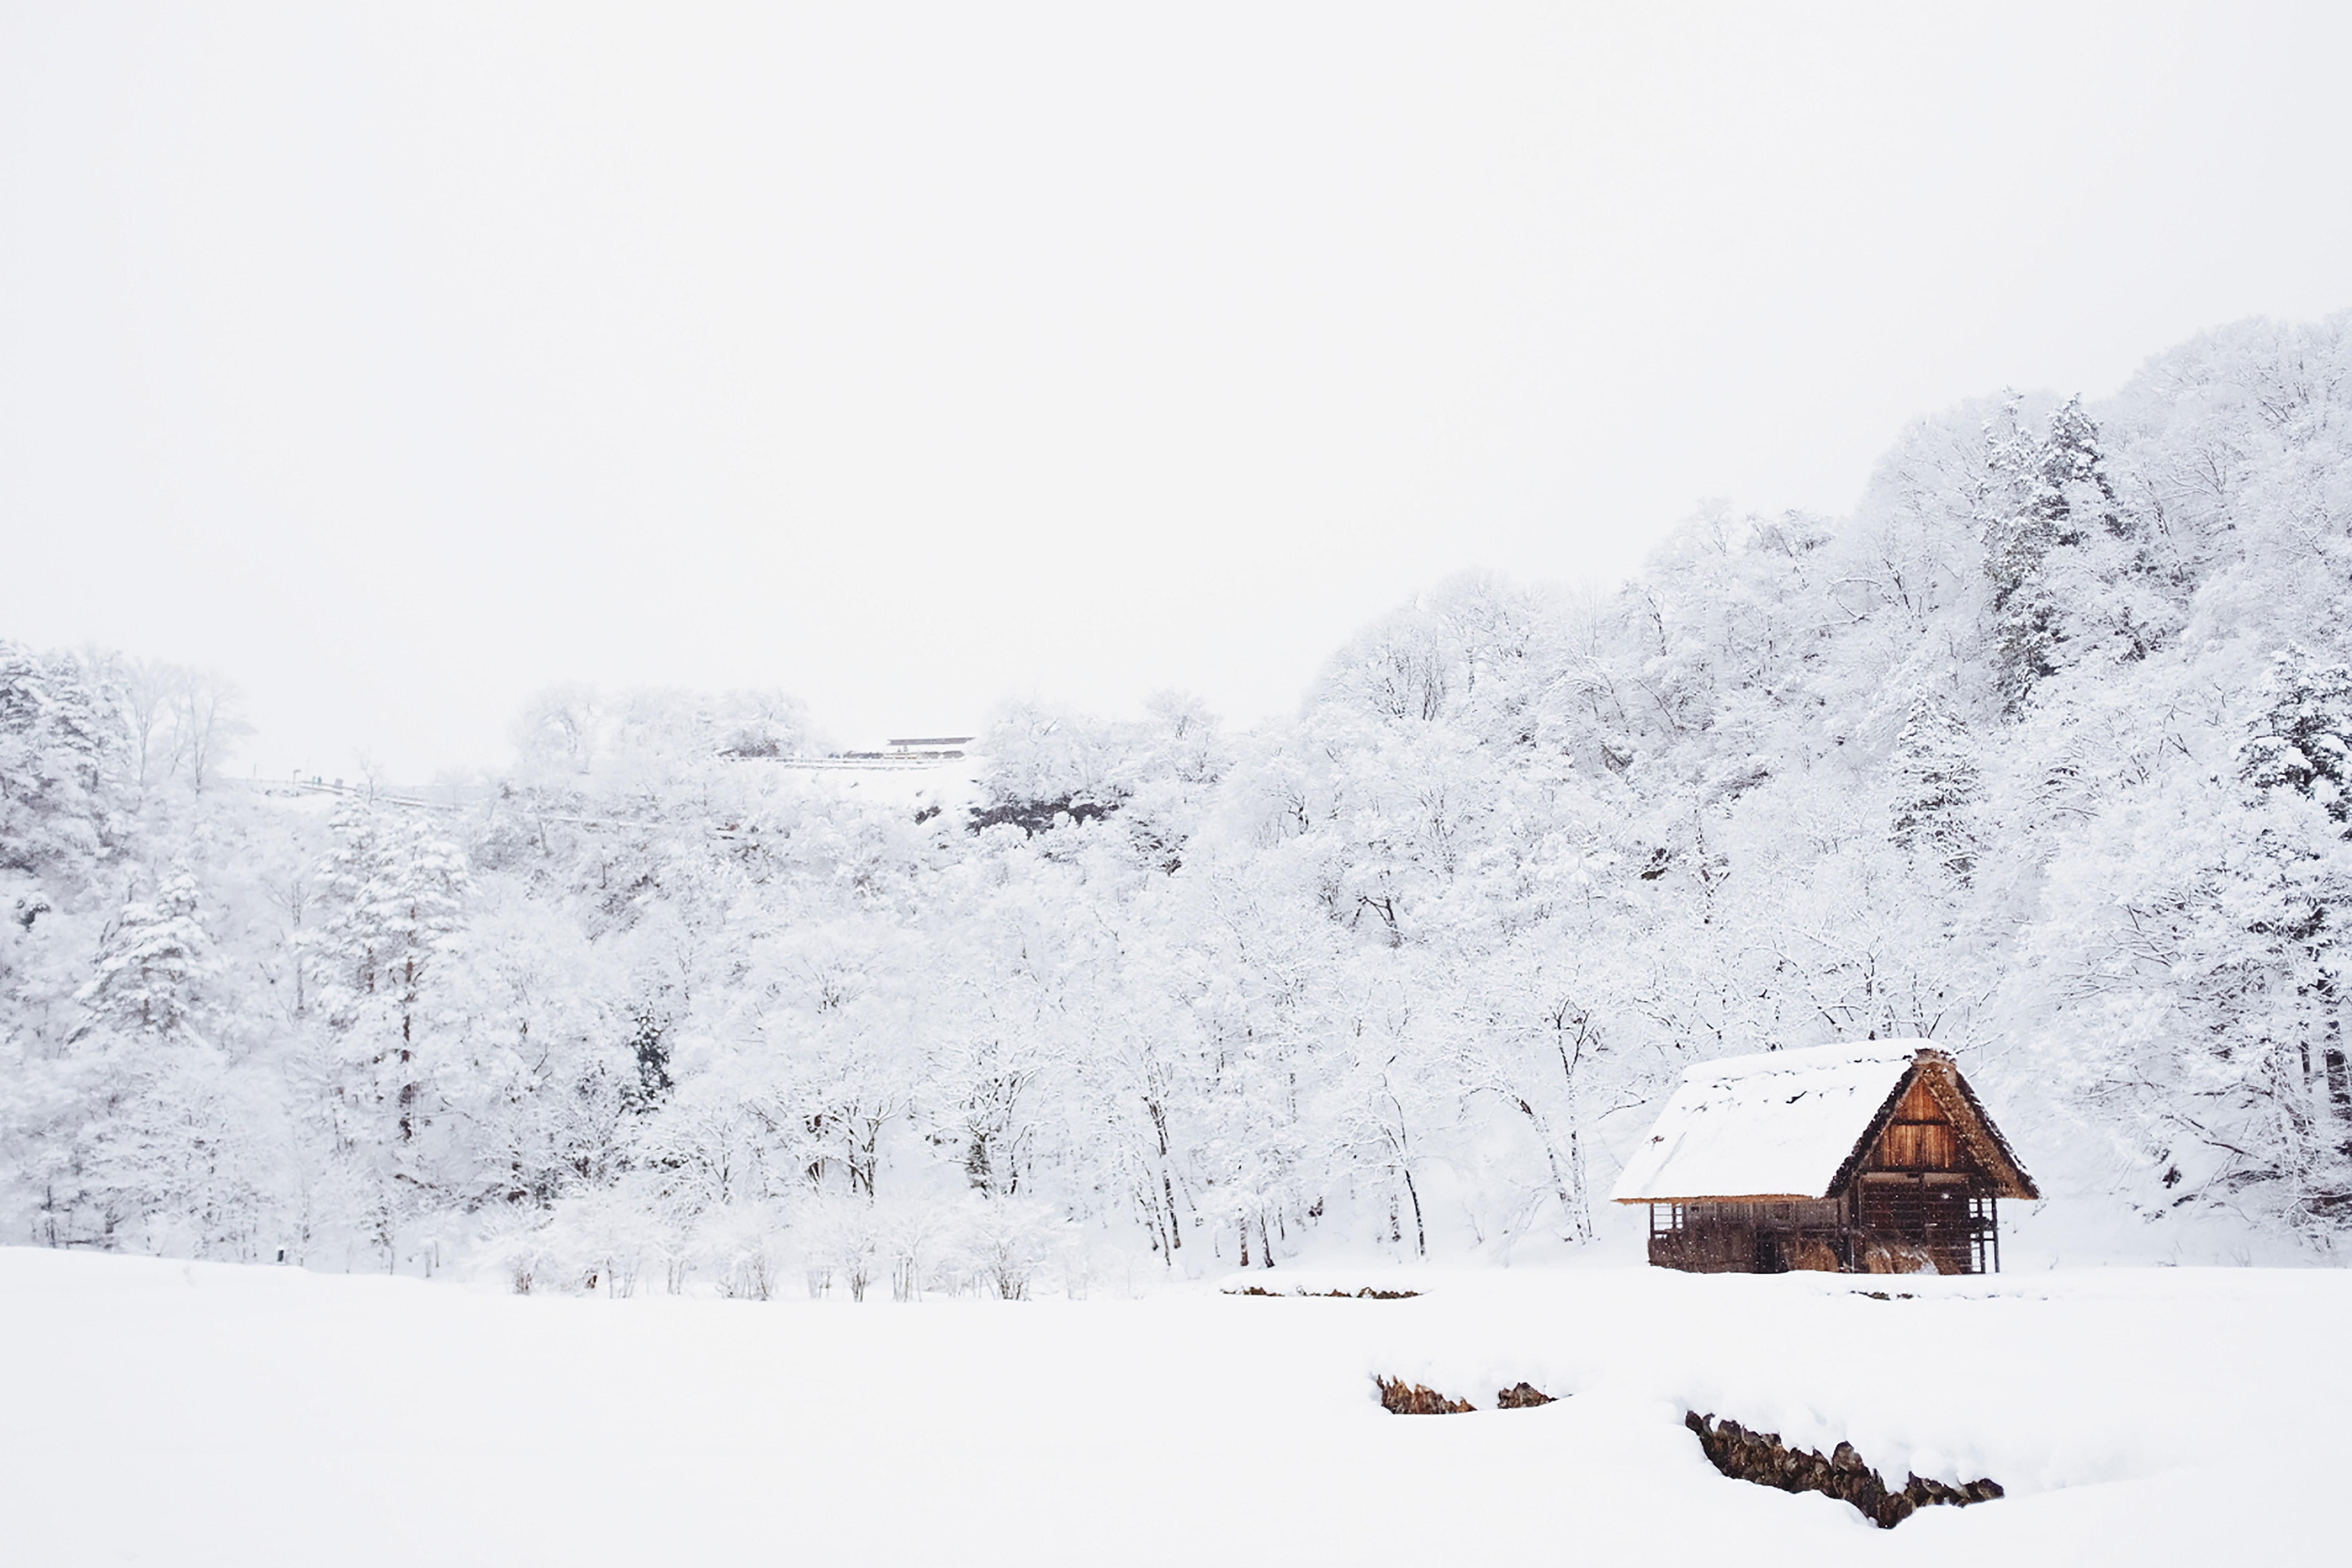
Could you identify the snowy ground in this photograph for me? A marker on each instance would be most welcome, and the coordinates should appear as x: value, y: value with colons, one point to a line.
x: 188, y: 1413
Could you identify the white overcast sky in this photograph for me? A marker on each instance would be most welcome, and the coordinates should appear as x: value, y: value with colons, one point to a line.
x: 397, y: 361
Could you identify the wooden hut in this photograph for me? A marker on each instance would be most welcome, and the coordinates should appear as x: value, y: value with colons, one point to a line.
x: 1867, y: 1158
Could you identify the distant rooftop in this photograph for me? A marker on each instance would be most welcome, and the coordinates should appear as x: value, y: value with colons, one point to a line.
x: 928, y: 741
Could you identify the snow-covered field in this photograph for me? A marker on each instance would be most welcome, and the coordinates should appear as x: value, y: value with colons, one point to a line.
x: 168, y: 1412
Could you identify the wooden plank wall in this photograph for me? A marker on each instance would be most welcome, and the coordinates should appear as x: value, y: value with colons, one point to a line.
x: 1920, y: 1138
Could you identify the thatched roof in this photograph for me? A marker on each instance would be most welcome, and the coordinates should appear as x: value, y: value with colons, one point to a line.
x: 1796, y: 1125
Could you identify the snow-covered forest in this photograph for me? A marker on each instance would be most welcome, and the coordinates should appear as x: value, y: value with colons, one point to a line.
x: 2041, y: 752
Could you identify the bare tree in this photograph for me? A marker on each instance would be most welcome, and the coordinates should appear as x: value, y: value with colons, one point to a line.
x: 140, y: 695
x: 208, y: 722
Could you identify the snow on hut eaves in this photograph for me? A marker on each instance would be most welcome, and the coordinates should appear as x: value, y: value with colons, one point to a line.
x: 1780, y: 1125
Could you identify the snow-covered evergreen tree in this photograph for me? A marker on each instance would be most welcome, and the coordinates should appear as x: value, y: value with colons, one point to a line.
x: 1935, y: 778
x: 152, y: 965
x: 2301, y: 739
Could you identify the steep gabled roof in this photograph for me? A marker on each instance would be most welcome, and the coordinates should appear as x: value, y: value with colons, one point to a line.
x: 1961, y: 1107
x: 1791, y: 1125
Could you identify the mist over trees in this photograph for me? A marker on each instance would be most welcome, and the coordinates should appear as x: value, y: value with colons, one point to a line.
x: 2045, y: 752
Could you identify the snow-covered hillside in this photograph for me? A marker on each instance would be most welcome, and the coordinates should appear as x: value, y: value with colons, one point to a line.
x: 199, y: 1414
x: 2043, y: 754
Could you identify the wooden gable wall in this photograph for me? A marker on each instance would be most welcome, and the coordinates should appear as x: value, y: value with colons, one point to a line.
x: 1920, y: 1136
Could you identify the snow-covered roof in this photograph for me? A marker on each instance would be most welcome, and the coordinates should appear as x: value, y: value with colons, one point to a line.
x: 1779, y: 1125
